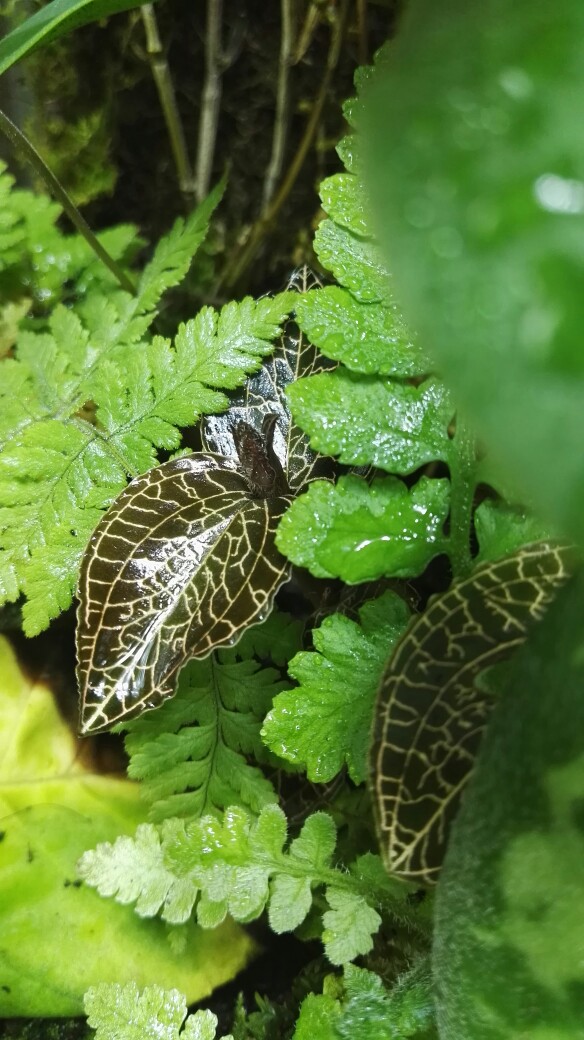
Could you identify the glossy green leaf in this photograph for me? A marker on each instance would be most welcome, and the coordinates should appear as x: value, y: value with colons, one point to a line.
x: 475, y: 162
x: 430, y: 715
x: 343, y: 201
x: 359, y: 532
x: 509, y: 907
x: 54, y: 20
x: 58, y: 937
x: 325, y: 721
x: 356, y: 263
x: 349, y: 150
x: 367, y: 337
x: 367, y: 421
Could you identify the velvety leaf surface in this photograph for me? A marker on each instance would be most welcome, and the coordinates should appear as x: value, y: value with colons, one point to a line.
x: 59, y: 938
x: 510, y: 903
x: 359, y: 1005
x: 317, y: 1018
x: 368, y: 338
x: 475, y: 162
x: 369, y: 421
x: 430, y: 714
x: 359, y: 532
x: 325, y: 721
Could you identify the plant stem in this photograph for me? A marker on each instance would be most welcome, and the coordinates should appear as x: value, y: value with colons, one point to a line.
x: 463, y: 467
x: 260, y: 229
x: 282, y: 103
x: 211, y: 98
x: 22, y: 144
x: 164, y: 85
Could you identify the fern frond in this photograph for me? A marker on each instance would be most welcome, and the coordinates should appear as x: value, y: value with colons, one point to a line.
x: 191, y: 753
x: 124, y: 1013
x: 173, y: 254
x: 62, y: 464
x: 240, y: 867
x: 36, y: 256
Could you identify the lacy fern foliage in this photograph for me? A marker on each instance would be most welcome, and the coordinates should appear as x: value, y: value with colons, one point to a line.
x: 240, y: 866
x: 41, y: 264
x: 124, y: 1013
x: 193, y: 754
x: 91, y: 401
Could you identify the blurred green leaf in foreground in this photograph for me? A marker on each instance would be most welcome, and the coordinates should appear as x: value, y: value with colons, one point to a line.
x: 475, y: 157
x: 58, y: 936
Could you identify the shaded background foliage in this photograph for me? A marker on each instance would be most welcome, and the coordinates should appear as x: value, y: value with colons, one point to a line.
x: 90, y: 105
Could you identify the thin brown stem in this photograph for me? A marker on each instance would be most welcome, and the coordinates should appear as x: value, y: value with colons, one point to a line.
x: 362, y: 32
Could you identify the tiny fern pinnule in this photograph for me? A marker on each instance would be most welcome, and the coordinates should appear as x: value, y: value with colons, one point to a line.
x: 124, y: 1013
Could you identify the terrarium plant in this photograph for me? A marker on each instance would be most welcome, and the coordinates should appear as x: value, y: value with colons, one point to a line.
x: 316, y: 549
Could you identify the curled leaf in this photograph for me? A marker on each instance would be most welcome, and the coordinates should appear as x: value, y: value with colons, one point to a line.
x: 430, y: 717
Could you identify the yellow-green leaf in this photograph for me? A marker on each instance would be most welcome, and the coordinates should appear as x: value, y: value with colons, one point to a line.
x: 58, y: 936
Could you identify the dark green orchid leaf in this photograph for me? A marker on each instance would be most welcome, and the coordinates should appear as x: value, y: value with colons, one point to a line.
x: 185, y: 559
x: 183, y: 562
x: 430, y: 716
